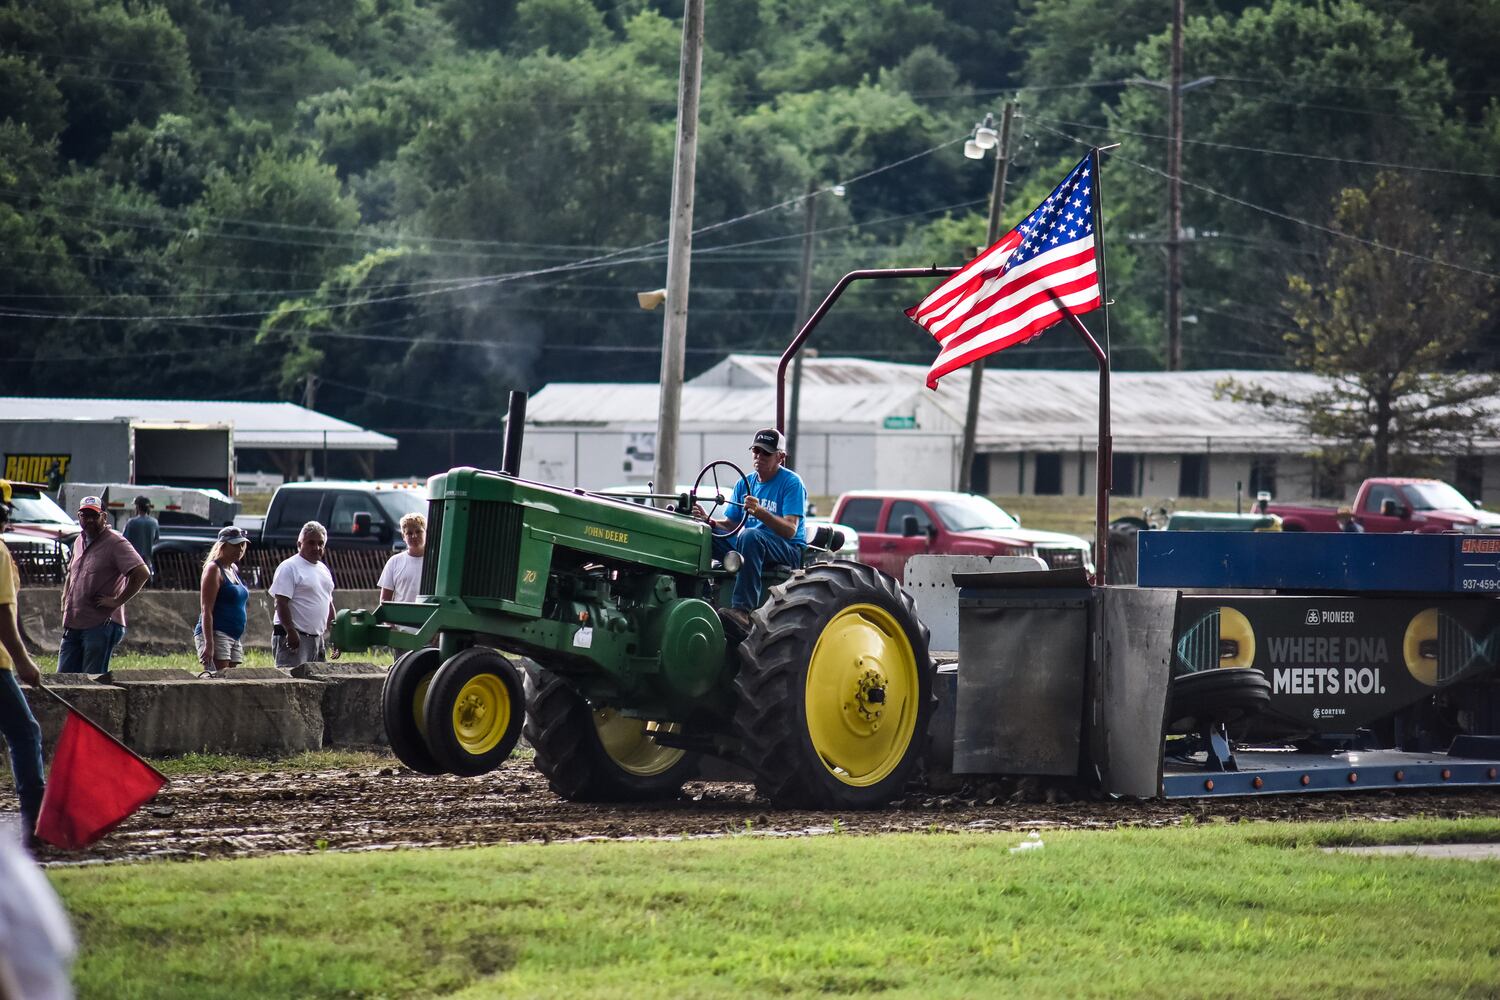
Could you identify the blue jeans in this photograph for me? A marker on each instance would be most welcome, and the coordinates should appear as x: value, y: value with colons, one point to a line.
x: 24, y: 737
x: 760, y: 547
x: 87, y: 650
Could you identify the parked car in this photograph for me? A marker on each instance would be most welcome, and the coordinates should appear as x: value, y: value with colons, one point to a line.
x: 1392, y: 503
x: 41, y: 534
x: 895, y: 525
x: 839, y: 540
x: 358, y: 515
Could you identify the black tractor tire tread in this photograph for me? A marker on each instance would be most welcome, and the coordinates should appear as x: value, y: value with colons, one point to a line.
x: 560, y: 728
x: 1223, y: 694
x: 443, y: 745
x: 401, y: 731
x: 769, y: 719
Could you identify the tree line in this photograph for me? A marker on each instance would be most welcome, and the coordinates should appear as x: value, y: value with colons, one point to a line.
x: 401, y: 209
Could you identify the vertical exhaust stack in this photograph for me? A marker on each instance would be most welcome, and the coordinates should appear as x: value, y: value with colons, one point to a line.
x: 515, y: 431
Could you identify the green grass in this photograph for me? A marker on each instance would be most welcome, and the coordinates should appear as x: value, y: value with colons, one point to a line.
x: 311, y: 760
x: 1251, y: 910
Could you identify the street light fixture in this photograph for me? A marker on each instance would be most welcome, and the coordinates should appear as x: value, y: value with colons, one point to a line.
x: 984, y: 138
x: 650, y: 300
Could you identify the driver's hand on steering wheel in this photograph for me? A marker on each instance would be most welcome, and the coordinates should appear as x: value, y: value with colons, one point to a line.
x: 699, y: 512
x: 752, y: 506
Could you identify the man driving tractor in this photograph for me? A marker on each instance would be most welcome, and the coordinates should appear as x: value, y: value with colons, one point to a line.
x: 774, y: 502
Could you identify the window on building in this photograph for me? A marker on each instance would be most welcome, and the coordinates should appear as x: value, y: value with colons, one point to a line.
x: 1263, y: 474
x: 1192, y: 476
x: 860, y: 513
x: 979, y: 474
x: 1468, y: 476
x: 1048, y: 474
x: 1122, y: 472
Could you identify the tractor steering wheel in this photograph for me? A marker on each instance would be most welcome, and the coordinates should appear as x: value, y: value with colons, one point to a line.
x: 720, y: 499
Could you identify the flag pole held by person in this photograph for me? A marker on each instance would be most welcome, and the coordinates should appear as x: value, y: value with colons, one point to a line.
x: 95, y: 784
x: 1048, y: 268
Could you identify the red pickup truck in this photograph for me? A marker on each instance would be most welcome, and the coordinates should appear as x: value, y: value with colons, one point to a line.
x: 1389, y: 503
x: 893, y: 526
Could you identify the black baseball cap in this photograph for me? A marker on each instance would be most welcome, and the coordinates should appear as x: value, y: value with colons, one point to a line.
x: 769, y: 440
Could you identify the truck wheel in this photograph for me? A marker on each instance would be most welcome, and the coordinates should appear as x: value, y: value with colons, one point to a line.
x: 473, y: 711
x: 401, y: 702
x: 598, y: 756
x: 834, y: 690
x: 1227, y: 695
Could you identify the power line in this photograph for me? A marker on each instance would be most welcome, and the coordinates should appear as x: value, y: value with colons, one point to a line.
x: 1274, y: 152
x: 1376, y: 244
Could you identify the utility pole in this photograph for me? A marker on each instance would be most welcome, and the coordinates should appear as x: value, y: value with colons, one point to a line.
x: 804, y: 295
x: 1174, y: 196
x: 976, y: 369
x: 679, y: 248
x: 309, y: 398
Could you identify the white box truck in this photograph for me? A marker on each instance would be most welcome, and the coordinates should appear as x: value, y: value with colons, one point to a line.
x: 141, y: 452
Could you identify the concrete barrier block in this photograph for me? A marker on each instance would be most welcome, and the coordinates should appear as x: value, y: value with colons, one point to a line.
x: 351, y: 702
x: 41, y: 618
x: 251, y: 717
x: 103, y: 704
x: 146, y: 675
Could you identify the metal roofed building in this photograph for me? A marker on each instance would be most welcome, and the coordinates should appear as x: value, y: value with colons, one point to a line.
x: 875, y: 424
x: 283, y: 435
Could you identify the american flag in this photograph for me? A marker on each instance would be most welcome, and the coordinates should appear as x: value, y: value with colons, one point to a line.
x: 1020, y: 286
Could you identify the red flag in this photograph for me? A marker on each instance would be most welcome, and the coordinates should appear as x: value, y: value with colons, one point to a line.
x: 1021, y: 285
x: 96, y: 782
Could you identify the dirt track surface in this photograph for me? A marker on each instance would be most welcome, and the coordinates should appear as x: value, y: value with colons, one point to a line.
x: 381, y: 808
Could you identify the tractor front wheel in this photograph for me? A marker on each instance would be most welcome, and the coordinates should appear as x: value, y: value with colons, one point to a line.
x: 598, y: 755
x: 834, y: 689
x: 401, y: 703
x: 473, y: 711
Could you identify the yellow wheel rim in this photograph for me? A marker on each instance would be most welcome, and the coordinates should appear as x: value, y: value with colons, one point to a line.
x: 481, y: 714
x: 419, y: 704
x: 628, y: 743
x: 1234, y: 625
x: 862, y: 695
x: 1423, y: 627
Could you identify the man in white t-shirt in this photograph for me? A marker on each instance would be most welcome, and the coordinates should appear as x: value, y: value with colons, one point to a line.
x: 303, y: 591
x: 401, y: 580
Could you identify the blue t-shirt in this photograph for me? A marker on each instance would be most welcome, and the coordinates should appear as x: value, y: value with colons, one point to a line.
x: 784, y: 495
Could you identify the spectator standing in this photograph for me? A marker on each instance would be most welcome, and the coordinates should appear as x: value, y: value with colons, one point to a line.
x: 401, y: 580
x: 143, y: 532
x: 106, y: 573
x: 222, y: 600
x: 303, y: 590
x: 22, y: 734
x: 1347, y: 522
x: 773, y: 502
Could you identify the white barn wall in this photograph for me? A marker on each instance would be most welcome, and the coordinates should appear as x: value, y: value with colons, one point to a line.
x: 913, y: 459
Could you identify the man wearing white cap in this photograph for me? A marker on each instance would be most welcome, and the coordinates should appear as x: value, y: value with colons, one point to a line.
x: 105, y: 574
x: 772, y: 504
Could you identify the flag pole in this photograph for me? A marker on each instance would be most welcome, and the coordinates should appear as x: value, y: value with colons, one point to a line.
x: 49, y: 692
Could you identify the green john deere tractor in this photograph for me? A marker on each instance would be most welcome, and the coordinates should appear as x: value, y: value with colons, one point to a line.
x: 631, y: 674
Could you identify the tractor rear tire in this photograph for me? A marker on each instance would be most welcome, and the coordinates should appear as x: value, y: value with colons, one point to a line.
x: 473, y: 712
x: 834, y: 689
x: 401, y: 702
x: 1224, y: 694
x: 590, y: 755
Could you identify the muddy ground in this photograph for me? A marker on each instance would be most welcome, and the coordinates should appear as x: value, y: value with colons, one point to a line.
x: 384, y: 807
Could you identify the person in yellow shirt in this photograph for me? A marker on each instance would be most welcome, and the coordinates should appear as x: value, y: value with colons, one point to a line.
x: 19, y: 727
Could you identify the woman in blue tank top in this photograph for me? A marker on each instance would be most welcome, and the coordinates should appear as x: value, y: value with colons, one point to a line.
x: 222, y: 598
